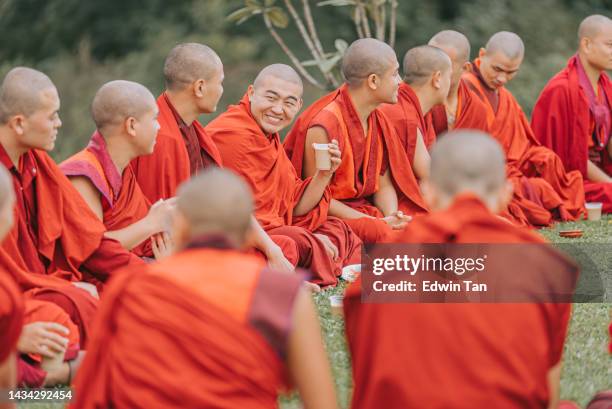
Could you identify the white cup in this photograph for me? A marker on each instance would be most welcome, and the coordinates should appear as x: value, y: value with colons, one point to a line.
x: 322, y: 156
x: 594, y: 211
x: 336, y: 303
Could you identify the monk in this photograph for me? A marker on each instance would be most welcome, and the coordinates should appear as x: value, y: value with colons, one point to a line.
x: 56, y: 247
x: 572, y: 114
x: 227, y: 332
x: 374, y: 189
x: 194, y: 84
x: 463, y: 355
x: 461, y: 109
x: 427, y: 78
x: 536, y: 171
x: 125, y: 114
x: 247, y: 136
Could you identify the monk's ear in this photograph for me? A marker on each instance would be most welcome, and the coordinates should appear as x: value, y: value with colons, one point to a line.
x: 250, y: 91
x: 180, y: 230
x: 16, y: 123
x: 505, y: 196
x: 467, y: 67
x: 199, y: 88
x: 372, y: 81
x: 436, y: 79
x: 130, y: 126
x: 482, y: 52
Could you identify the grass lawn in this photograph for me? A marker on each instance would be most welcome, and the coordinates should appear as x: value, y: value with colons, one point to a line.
x: 587, y: 364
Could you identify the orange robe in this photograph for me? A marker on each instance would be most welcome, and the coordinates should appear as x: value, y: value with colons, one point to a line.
x: 11, y: 322
x: 57, y: 239
x: 181, y: 151
x: 558, y: 191
x: 413, y: 355
x: 363, y: 160
x: 123, y: 202
x: 564, y: 120
x: 215, y: 335
x: 262, y: 162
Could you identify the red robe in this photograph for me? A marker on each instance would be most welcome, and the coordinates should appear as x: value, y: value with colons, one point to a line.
x: 56, y: 239
x: 363, y: 160
x: 262, y: 162
x: 123, y: 202
x: 214, y: 335
x: 549, y: 185
x: 563, y: 120
x: 456, y: 355
x: 11, y: 322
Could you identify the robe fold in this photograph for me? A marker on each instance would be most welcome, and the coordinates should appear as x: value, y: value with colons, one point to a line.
x: 207, y: 327
x: 363, y: 160
x: 463, y: 355
x: 264, y: 165
x: 56, y: 238
x: 569, y: 119
x: 11, y: 318
x: 558, y: 191
x: 123, y: 202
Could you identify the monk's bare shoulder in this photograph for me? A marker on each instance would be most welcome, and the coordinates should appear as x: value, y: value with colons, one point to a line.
x: 316, y: 134
x: 89, y: 193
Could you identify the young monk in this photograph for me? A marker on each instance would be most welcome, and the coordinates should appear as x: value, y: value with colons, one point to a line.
x: 463, y: 355
x: 247, y: 136
x: 57, y: 242
x: 427, y: 79
x: 226, y: 332
x: 194, y: 84
x: 125, y: 114
x: 461, y: 109
x: 542, y: 176
x: 374, y: 187
x: 572, y: 115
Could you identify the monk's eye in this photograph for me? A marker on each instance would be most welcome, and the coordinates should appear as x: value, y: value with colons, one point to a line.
x: 290, y: 104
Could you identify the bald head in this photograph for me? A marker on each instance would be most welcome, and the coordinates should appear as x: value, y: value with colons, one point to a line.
x: 21, y: 92
x: 280, y: 71
x: 507, y: 43
x: 6, y: 187
x: 364, y: 57
x: 190, y: 62
x: 467, y: 161
x: 118, y: 100
x: 216, y: 201
x: 453, y: 43
x: 420, y: 63
x: 593, y: 25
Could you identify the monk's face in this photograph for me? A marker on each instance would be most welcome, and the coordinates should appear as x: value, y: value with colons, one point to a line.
x: 598, y: 50
x: 39, y: 130
x: 7, y: 214
x: 497, y: 69
x: 146, y: 129
x: 458, y: 65
x: 210, y: 91
x: 387, y: 85
x: 274, y: 103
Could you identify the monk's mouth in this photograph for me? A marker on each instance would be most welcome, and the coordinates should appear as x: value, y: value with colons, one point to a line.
x: 272, y: 119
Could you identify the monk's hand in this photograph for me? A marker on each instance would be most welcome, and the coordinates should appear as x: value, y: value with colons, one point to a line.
x: 397, y: 220
x: 160, y: 215
x: 335, y: 156
x: 162, y: 245
x: 277, y: 260
x: 43, y: 338
x: 330, y: 248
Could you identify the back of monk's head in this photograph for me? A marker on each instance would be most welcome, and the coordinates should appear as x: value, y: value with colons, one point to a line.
x: 21, y: 92
x: 453, y: 43
x: 595, y: 37
x: 365, y: 57
x: 7, y: 199
x: 215, y: 202
x: 467, y: 162
x: 189, y: 62
x: 428, y: 67
x: 119, y: 100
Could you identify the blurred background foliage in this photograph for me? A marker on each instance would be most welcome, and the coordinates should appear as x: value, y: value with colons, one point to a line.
x: 81, y: 44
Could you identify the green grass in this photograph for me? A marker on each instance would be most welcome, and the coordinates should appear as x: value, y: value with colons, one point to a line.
x: 587, y: 364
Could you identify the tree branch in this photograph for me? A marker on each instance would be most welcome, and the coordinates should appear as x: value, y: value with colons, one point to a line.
x: 311, y: 27
x: 357, y: 21
x: 392, y: 23
x: 364, y: 19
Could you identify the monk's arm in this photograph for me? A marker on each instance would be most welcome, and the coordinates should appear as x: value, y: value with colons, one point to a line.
x: 307, y: 360
x: 554, y: 379
x: 8, y: 373
x: 596, y: 174
x: 420, y: 162
x: 315, y: 134
x: 89, y: 193
x: 339, y: 209
x: 313, y: 193
x: 386, y: 196
x: 264, y: 243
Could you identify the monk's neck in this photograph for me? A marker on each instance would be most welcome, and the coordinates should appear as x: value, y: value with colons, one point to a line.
x: 425, y: 100
x: 184, y: 106
x: 13, y: 148
x: 120, y: 153
x: 592, y: 73
x: 363, y: 105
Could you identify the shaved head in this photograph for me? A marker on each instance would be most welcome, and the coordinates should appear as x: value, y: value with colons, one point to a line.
x: 6, y: 186
x: 364, y: 57
x: 507, y: 43
x: 216, y: 201
x: 593, y: 25
x: 117, y: 100
x: 20, y: 92
x: 468, y: 161
x: 421, y: 62
x: 453, y: 43
x: 190, y: 62
x: 280, y: 71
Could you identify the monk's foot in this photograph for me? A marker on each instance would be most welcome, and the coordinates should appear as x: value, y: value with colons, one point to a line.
x: 314, y: 288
